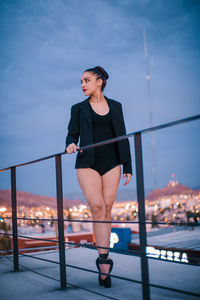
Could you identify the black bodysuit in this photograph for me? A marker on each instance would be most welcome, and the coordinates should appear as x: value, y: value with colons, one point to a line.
x: 106, y: 156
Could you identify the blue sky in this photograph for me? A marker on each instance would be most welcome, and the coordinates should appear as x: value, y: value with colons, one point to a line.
x: 46, y: 45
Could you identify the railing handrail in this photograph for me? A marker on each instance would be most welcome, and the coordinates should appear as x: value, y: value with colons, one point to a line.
x: 150, y: 129
x: 141, y: 208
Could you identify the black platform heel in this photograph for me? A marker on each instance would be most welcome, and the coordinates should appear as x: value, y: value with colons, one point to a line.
x: 102, y: 259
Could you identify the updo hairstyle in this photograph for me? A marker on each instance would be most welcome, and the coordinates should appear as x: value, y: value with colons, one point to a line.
x: 101, y: 74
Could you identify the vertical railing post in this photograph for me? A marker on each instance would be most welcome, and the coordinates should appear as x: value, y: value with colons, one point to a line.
x: 14, y: 219
x: 63, y: 281
x: 141, y: 215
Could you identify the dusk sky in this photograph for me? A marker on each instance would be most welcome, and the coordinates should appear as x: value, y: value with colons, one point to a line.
x: 44, y: 48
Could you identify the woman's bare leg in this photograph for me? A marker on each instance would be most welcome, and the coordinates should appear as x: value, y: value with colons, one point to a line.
x: 110, y: 184
x: 100, y: 193
x: 91, y: 184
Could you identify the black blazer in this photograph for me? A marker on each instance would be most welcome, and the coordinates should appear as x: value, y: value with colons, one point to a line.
x: 80, y: 125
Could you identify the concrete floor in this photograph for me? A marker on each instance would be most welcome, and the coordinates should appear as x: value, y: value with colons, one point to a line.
x: 26, y: 284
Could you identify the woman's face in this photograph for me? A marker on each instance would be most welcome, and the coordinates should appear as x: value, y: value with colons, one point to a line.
x: 90, y: 84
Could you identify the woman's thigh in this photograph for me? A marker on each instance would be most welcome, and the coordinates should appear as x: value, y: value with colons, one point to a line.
x: 91, y: 184
x: 110, y: 184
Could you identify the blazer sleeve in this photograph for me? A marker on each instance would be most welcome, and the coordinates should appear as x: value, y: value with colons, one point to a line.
x: 73, y: 126
x: 127, y: 166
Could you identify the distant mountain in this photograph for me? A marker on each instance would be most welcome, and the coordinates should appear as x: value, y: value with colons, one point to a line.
x: 28, y: 199
x: 74, y: 199
x: 173, y: 188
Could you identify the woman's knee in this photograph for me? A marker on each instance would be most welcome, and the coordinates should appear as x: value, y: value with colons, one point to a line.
x: 108, y: 211
x: 98, y: 210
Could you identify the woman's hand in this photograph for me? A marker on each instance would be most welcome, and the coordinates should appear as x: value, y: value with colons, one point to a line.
x: 72, y: 148
x: 127, y: 177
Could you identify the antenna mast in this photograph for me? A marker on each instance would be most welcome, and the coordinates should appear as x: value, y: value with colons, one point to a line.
x: 149, y: 95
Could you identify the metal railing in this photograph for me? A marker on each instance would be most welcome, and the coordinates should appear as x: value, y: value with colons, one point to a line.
x: 141, y: 213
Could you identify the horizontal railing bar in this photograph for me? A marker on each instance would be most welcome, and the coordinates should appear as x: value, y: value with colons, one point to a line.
x: 137, y: 281
x: 136, y: 253
x: 86, y: 245
x: 33, y: 161
x: 33, y: 238
x: 158, y: 127
x: 117, y: 277
x: 114, y: 276
x: 118, y: 251
x: 169, y: 124
x: 114, y: 222
x: 44, y: 249
x: 29, y: 249
x: 49, y: 277
x: 80, y: 268
x: 32, y: 269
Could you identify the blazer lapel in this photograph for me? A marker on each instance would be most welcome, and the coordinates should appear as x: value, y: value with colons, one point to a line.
x: 116, y: 116
x: 117, y: 120
x: 85, y: 107
x: 114, y: 109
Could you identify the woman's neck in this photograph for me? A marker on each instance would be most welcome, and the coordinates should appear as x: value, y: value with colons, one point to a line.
x: 97, y: 97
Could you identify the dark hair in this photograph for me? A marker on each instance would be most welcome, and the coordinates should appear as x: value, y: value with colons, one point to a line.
x: 101, y: 73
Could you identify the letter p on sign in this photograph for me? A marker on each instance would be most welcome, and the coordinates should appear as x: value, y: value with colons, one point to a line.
x: 113, y: 239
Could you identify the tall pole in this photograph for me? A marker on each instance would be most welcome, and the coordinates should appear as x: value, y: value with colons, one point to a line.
x: 141, y: 215
x: 149, y: 95
x: 14, y: 219
x: 63, y: 279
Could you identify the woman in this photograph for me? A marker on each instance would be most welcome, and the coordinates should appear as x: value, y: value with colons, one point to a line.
x: 98, y: 169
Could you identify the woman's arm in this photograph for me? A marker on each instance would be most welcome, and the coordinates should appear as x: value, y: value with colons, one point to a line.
x: 127, y: 166
x: 73, y: 130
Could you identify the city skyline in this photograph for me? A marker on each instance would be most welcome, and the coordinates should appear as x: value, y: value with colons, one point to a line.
x: 24, y: 198
x: 174, y: 203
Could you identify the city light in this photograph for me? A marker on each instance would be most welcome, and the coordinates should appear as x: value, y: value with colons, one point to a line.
x: 2, y: 209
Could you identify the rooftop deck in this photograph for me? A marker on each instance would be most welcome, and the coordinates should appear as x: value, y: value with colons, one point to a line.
x: 82, y: 285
